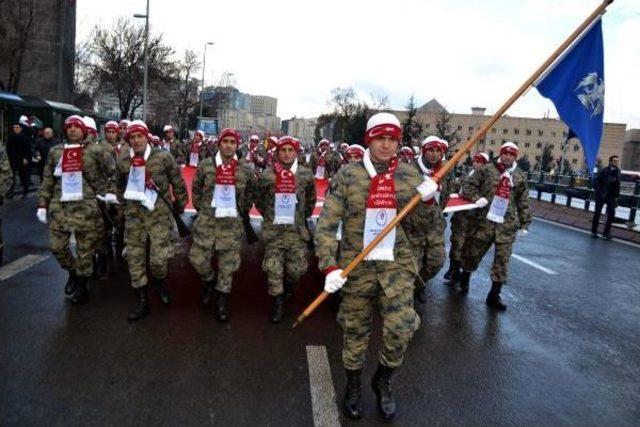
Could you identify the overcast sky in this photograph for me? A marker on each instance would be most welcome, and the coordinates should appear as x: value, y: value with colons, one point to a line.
x: 464, y: 53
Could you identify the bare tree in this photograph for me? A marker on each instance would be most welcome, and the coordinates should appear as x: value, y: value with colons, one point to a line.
x: 118, y: 64
x: 84, y: 79
x: 16, y: 30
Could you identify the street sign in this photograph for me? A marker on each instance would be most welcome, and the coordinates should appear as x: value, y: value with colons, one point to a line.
x: 208, y: 125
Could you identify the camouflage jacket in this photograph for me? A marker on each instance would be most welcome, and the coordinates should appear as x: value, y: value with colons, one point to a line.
x: 483, y: 183
x: 80, y: 214
x: 5, y: 170
x: 205, y: 151
x: 265, y: 200
x: 202, y: 194
x: 346, y: 202
x: 332, y: 163
x: 165, y: 173
x: 177, y: 150
x: 109, y: 154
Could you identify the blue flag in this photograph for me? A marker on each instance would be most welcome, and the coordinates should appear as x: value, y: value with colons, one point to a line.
x: 575, y: 84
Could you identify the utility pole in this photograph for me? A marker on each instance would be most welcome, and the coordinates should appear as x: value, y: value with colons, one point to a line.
x: 146, y: 61
x: 204, y: 58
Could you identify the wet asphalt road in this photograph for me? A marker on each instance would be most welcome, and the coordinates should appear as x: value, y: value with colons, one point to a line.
x: 566, y: 352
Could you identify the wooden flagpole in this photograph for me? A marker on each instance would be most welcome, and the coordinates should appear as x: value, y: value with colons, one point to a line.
x: 458, y: 156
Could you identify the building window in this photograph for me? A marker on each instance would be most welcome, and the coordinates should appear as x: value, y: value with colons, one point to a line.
x: 576, y: 148
x: 574, y: 161
x: 493, y: 130
x: 553, y: 134
x: 528, y: 131
x: 470, y: 129
x: 538, y: 158
x: 459, y: 127
x: 540, y: 133
x: 427, y: 126
x: 505, y: 131
x: 526, y: 145
x: 493, y: 142
x: 564, y: 134
x: 552, y: 146
x: 516, y: 131
x: 503, y: 141
x: 539, y: 145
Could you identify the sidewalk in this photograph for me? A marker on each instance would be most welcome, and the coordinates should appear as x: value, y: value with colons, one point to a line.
x: 579, y: 218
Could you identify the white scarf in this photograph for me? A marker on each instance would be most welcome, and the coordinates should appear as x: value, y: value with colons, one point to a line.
x: 427, y: 172
x: 71, y: 172
x: 136, y: 184
x: 502, y: 196
x: 285, y: 200
x: 224, y: 191
x: 381, y: 210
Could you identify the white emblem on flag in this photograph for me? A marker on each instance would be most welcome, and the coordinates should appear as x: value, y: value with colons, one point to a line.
x: 590, y: 92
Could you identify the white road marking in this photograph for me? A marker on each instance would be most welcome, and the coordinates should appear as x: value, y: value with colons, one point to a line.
x: 580, y: 230
x: 534, y: 264
x: 20, y: 265
x: 323, y: 395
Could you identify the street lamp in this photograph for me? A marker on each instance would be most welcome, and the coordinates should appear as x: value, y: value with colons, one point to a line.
x: 204, y: 58
x: 146, y: 60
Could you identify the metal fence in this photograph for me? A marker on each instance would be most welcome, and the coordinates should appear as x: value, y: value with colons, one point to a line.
x: 576, y: 191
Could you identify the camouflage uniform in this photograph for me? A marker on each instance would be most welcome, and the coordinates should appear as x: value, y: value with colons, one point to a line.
x: 5, y: 175
x: 156, y: 225
x: 177, y: 150
x: 259, y: 154
x: 285, y: 245
x: 459, y: 225
x: 222, y: 235
x: 332, y: 163
x: 431, y: 254
x: 205, y: 152
x: 106, y: 228
x: 82, y: 217
x: 387, y: 283
x: 484, y: 233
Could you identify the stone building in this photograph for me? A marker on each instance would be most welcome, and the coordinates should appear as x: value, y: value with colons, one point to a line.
x: 37, y: 47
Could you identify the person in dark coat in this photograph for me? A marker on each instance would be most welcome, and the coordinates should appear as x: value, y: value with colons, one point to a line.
x: 41, y: 147
x: 606, y: 187
x: 19, y: 153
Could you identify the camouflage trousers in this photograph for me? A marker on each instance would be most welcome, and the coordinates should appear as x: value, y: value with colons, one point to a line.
x: 459, y: 230
x: 104, y: 231
x: 85, y: 248
x: 431, y: 255
x: 284, y: 257
x: 205, y: 244
x: 159, y: 234
x: 399, y: 323
x: 474, y: 250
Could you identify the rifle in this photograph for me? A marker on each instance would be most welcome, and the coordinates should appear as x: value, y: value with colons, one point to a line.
x: 183, y: 230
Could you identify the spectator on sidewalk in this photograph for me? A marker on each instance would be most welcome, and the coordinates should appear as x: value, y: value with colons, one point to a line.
x: 41, y: 149
x: 19, y: 153
x: 606, y: 187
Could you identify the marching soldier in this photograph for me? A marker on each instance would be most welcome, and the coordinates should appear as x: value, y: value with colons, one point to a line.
x: 112, y: 137
x: 74, y: 177
x: 286, y: 196
x: 460, y: 222
x: 354, y: 153
x: 104, y: 249
x: 431, y: 253
x: 197, y: 150
x: 171, y: 144
x: 406, y: 154
x: 253, y: 153
x: 146, y: 177
x: 324, y: 162
x: 122, y: 124
x: 272, y: 144
x: 366, y: 196
x: 496, y: 223
x: 222, y: 195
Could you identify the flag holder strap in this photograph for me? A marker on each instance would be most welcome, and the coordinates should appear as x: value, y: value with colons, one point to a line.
x: 447, y: 167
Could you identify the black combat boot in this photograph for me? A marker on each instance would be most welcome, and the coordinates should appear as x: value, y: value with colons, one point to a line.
x: 102, y: 266
x: 288, y: 290
x: 465, y: 277
x: 381, y: 384
x: 493, y: 299
x: 142, y: 306
x: 221, y: 313
x: 81, y: 294
x: 162, y: 291
x: 276, y: 309
x: 453, y: 272
x: 352, y: 403
x: 208, y: 289
x: 70, y: 287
